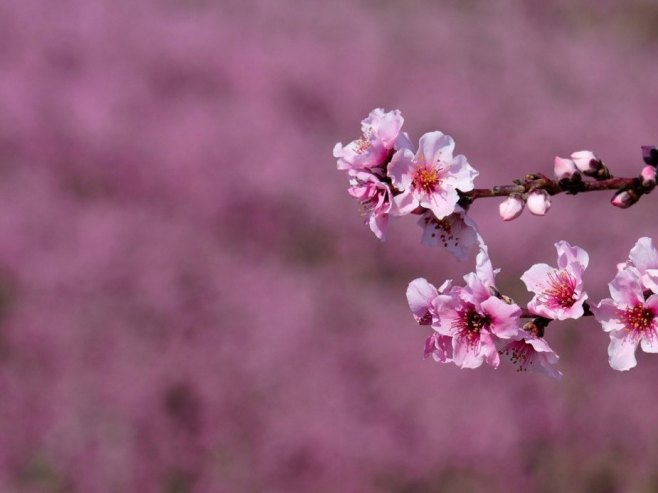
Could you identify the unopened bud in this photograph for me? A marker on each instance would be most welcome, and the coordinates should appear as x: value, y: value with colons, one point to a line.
x: 511, y: 208
x: 625, y: 199
x: 648, y: 176
x: 650, y: 155
x: 564, y: 168
x: 586, y: 161
x: 538, y: 202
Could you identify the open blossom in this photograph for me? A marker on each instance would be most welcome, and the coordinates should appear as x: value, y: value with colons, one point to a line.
x: 375, y: 198
x: 532, y: 354
x: 474, y: 318
x: 456, y: 232
x: 559, y: 292
x: 381, y: 136
x: 629, y: 318
x: 431, y: 177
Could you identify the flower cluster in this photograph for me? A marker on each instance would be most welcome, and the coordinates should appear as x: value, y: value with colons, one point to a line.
x: 474, y: 324
x: 389, y: 178
x: 630, y: 315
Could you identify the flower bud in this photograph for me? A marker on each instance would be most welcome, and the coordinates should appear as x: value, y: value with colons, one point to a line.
x: 648, y: 177
x: 564, y: 168
x: 538, y: 202
x: 511, y: 208
x: 586, y: 161
x: 625, y: 199
x: 650, y: 155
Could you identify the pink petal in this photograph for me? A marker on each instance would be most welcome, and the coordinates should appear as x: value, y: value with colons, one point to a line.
x: 462, y: 174
x: 536, y: 276
x: 488, y: 350
x: 400, y: 169
x: 644, y: 255
x: 435, y: 147
x: 420, y: 295
x: 442, y: 203
x: 626, y: 288
x: 504, y: 317
x: 404, y: 203
x: 621, y: 351
x: 607, y: 314
x: 568, y: 255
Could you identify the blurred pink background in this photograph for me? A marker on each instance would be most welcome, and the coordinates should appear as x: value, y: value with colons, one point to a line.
x: 190, y: 302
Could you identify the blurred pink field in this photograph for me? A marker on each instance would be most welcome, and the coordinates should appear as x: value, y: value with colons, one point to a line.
x: 190, y: 302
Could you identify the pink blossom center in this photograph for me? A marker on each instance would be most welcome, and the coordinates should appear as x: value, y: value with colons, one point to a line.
x: 560, y: 290
x: 426, y: 179
x: 362, y: 145
x: 638, y: 319
x: 469, y: 324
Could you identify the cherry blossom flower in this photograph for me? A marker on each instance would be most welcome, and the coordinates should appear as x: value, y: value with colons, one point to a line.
x: 532, y: 354
x: 474, y: 318
x: 431, y: 177
x: 629, y: 319
x: 456, y: 232
x: 559, y: 292
x: 374, y: 196
x: 538, y: 202
x: 381, y: 136
x: 511, y: 207
x: 564, y: 168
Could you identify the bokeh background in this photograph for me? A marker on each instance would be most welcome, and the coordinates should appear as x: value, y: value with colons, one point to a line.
x: 190, y: 301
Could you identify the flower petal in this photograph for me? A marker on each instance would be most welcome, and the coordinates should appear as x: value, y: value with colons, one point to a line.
x: 535, y: 277
x: 621, y: 351
x: 420, y: 295
x: 608, y: 315
x: 435, y: 147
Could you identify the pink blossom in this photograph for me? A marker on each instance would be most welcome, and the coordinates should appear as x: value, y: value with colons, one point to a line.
x: 533, y: 354
x: 474, y: 318
x: 538, y: 202
x: 558, y: 291
x: 586, y: 161
x: 456, y: 232
x: 564, y: 168
x: 511, y: 208
x: 375, y: 198
x: 629, y: 318
x: 432, y: 177
x: 381, y: 136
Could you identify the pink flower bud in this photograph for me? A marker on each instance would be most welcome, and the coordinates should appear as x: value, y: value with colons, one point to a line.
x: 564, y: 168
x: 624, y: 199
x: 586, y: 161
x: 538, y: 202
x: 648, y: 176
x: 511, y: 208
